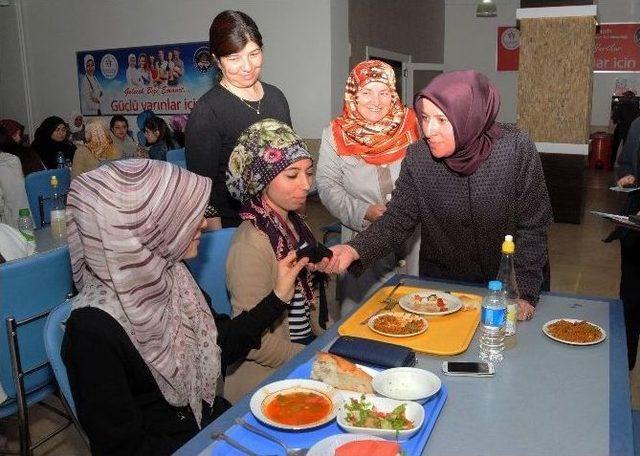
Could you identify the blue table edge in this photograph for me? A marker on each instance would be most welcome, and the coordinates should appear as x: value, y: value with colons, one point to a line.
x: 620, y: 423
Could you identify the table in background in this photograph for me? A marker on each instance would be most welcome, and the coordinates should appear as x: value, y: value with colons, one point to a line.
x: 546, y: 398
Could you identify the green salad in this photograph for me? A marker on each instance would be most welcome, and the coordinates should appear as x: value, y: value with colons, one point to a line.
x: 361, y: 413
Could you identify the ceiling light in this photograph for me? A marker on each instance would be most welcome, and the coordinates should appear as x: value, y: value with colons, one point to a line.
x: 486, y: 8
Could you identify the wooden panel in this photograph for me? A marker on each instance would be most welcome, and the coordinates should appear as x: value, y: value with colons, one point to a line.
x: 555, y: 78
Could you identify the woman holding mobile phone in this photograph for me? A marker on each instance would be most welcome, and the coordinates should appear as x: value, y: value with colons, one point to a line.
x: 270, y: 173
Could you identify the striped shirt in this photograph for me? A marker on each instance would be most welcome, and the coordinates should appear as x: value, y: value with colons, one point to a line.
x: 299, y: 317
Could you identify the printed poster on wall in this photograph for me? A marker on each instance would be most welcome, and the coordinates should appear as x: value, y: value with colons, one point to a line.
x: 168, y: 79
x: 618, y: 48
x: 508, y: 49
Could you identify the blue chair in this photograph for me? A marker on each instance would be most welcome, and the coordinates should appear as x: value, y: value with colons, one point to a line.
x: 209, y: 267
x: 177, y: 157
x: 635, y: 417
x: 39, y: 191
x: 31, y: 288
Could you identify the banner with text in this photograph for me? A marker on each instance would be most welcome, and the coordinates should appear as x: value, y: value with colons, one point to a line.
x: 618, y: 48
x: 168, y: 79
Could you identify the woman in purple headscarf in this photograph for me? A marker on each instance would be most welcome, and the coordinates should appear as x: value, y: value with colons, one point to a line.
x: 470, y: 182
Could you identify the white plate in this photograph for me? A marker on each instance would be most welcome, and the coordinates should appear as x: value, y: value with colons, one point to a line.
x: 414, y: 412
x: 261, y: 397
x: 403, y: 316
x: 408, y: 303
x: 406, y: 383
x: 545, y: 329
x: 329, y: 445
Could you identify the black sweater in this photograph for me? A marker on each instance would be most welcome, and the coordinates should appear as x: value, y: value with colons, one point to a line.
x: 118, y: 402
x: 216, y: 122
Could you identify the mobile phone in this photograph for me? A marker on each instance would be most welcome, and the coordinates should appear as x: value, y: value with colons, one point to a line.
x: 315, y: 253
x: 468, y: 368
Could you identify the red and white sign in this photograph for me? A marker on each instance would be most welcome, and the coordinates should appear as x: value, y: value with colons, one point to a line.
x: 508, y: 51
x: 617, y: 48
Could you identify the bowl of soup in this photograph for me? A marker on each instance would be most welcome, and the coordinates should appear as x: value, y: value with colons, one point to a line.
x: 296, y: 404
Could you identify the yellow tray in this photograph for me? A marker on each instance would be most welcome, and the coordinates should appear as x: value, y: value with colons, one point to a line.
x: 446, y: 335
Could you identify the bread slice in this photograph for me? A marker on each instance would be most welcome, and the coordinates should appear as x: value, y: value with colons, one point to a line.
x: 340, y: 373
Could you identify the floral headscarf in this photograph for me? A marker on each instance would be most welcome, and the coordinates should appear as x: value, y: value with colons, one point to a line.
x: 381, y: 142
x: 263, y: 150
x: 99, y: 141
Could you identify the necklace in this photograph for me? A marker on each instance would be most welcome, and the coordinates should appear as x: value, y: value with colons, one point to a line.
x: 257, y: 110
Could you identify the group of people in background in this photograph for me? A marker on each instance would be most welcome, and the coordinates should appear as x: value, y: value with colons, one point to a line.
x: 148, y: 69
x: 430, y: 189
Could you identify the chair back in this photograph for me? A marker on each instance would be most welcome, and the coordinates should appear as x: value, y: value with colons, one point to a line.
x: 209, y: 267
x: 177, y: 157
x: 31, y: 286
x: 53, y: 335
x: 39, y: 191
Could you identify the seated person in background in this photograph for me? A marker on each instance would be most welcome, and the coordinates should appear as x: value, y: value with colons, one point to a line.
x: 12, y: 244
x: 270, y: 172
x: 14, y: 194
x: 125, y: 144
x: 99, y: 147
x: 52, y: 137
x: 76, y: 128
x: 140, y: 120
x: 178, y: 124
x: 12, y: 141
x: 143, y: 350
x: 158, y: 137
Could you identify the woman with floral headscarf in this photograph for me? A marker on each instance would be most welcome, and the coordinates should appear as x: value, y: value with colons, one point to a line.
x: 470, y: 182
x: 143, y: 350
x: 360, y: 157
x: 270, y: 173
x: 99, y: 147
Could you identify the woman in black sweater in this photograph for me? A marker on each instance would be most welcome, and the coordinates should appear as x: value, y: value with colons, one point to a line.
x: 144, y: 354
x: 237, y: 101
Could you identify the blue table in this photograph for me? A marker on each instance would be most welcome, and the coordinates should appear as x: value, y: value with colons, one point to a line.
x: 546, y: 398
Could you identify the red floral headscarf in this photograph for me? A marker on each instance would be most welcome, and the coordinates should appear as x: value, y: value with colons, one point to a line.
x: 381, y: 142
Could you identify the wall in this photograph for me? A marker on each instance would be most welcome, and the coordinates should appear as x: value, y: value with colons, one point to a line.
x: 470, y: 43
x: 12, y: 88
x: 297, y: 35
x: 413, y: 27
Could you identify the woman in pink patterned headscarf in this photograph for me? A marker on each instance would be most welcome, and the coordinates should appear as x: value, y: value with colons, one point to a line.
x: 144, y: 352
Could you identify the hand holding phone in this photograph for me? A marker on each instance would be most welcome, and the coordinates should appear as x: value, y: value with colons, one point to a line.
x: 467, y: 368
x: 315, y: 253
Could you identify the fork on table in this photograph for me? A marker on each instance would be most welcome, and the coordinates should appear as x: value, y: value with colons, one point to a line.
x: 388, y: 304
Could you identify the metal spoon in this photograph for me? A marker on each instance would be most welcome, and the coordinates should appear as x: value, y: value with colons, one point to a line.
x: 260, y: 432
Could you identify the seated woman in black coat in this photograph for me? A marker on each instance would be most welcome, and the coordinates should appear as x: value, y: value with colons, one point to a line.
x: 144, y: 353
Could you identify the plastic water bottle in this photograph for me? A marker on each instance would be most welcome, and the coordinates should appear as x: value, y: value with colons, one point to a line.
x: 507, y: 275
x: 25, y: 226
x: 61, y: 160
x: 494, y: 313
x: 58, y: 212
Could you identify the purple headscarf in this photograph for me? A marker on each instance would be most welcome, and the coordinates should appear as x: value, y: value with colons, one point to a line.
x: 471, y: 103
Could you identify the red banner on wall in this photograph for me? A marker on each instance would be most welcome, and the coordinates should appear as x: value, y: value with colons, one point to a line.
x: 508, y: 50
x: 617, y: 48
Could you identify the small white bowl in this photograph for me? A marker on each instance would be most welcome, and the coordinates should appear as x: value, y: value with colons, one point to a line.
x: 406, y: 383
x: 414, y: 412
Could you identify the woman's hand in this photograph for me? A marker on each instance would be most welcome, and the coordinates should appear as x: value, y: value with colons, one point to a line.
x: 343, y: 256
x: 629, y: 179
x: 288, y: 270
x: 374, y: 212
x: 214, y: 223
x: 525, y: 310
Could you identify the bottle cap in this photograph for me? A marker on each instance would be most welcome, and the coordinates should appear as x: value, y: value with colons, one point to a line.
x: 495, y: 285
x: 54, y: 181
x: 508, y: 246
x: 24, y: 213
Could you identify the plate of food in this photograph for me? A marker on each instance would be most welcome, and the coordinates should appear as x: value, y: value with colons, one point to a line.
x: 380, y: 416
x: 574, y: 332
x: 294, y: 404
x: 430, y: 302
x: 345, y: 445
x: 398, y: 324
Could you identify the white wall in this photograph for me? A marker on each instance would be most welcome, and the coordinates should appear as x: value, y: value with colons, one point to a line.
x: 12, y: 88
x: 340, y: 53
x: 470, y: 43
x: 296, y: 34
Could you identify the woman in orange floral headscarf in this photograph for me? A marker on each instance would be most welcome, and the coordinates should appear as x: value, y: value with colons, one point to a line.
x: 360, y: 158
x: 99, y: 147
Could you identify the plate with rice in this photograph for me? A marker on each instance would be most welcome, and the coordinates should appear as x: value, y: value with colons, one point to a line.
x: 574, y: 332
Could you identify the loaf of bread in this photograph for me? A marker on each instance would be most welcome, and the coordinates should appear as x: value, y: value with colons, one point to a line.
x: 340, y: 373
